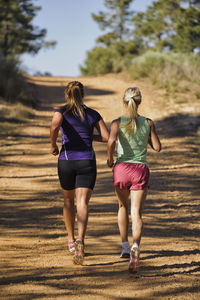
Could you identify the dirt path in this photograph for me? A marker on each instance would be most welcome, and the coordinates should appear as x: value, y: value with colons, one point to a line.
x: 34, y: 261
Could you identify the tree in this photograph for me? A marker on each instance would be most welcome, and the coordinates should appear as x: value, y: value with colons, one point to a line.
x: 17, y: 33
x: 169, y: 24
x: 116, y: 46
x: 116, y: 20
x: 99, y: 61
x: 112, y: 59
x: 187, y: 38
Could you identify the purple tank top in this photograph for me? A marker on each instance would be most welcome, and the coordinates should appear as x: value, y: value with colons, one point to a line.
x: 77, y: 134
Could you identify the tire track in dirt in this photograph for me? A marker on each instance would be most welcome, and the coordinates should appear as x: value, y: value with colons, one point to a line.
x: 34, y: 261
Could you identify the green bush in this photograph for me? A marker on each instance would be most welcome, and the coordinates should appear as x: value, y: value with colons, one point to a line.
x: 197, y: 95
x: 99, y: 61
x: 163, y: 67
x: 113, y: 59
x: 13, y: 84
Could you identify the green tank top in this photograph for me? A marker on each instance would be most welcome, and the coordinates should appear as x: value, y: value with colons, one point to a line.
x: 132, y: 147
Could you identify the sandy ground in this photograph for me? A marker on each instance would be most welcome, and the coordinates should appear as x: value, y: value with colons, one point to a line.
x: 35, y: 263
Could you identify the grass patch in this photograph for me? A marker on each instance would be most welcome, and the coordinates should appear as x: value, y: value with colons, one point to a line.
x: 197, y: 95
x: 12, y: 115
x: 166, y: 67
x: 181, y: 101
x: 168, y: 70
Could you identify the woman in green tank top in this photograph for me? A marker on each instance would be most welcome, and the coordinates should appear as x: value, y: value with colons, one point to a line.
x: 132, y: 133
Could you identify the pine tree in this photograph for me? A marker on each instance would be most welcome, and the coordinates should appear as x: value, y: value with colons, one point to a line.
x: 17, y: 33
x: 170, y: 25
x: 187, y: 38
x: 116, y: 20
x: 116, y: 46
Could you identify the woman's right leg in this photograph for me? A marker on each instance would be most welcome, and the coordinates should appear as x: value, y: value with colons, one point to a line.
x: 123, y: 218
x: 138, y: 198
x: 137, y: 204
x: 83, y: 196
x: 69, y: 212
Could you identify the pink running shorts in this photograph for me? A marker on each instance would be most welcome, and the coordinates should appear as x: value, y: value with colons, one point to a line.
x: 131, y: 176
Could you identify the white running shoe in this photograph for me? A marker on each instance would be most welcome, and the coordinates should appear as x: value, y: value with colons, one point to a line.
x: 134, y: 262
x: 125, y: 250
x: 71, y: 246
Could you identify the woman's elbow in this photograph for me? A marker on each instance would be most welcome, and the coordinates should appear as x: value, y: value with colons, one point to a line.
x: 111, y: 142
x: 54, y: 130
x: 105, y: 138
x: 157, y: 148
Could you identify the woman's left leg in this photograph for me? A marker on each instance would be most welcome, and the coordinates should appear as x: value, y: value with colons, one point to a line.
x: 69, y: 213
x: 123, y: 218
x: 83, y: 196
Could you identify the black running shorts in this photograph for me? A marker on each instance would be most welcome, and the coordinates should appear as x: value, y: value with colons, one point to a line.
x: 77, y: 173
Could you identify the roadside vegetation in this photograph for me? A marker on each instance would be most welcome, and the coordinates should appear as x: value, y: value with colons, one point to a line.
x: 17, y: 36
x: 161, y: 43
x: 13, y: 83
x: 174, y: 72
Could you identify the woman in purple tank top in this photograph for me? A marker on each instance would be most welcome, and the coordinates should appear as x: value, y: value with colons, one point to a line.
x: 76, y: 162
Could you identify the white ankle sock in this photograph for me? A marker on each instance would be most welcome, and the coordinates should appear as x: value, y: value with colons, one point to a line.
x: 135, y: 245
x: 125, y: 244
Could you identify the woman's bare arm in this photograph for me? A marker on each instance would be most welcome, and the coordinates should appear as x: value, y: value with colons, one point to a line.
x: 54, y: 130
x: 112, y: 141
x: 154, y: 141
x: 102, y: 130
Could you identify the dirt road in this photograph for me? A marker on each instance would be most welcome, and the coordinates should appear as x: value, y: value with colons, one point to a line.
x: 35, y: 263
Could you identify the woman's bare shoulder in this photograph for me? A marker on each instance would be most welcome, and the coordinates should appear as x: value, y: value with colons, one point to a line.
x: 116, y: 121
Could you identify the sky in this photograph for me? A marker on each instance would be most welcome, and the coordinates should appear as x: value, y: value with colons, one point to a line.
x: 69, y: 22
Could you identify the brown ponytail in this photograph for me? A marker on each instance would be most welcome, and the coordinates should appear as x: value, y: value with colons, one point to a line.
x: 74, y: 93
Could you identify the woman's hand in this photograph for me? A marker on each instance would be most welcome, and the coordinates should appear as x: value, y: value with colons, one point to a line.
x: 54, y: 150
x: 110, y: 163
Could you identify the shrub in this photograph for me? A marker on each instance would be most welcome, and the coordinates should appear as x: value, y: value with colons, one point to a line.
x: 197, y: 95
x: 99, y: 61
x: 13, y: 84
x: 163, y: 67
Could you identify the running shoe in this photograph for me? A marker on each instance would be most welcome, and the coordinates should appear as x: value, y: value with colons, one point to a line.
x: 71, y: 246
x: 125, y: 251
x: 134, y: 261
x: 78, y: 257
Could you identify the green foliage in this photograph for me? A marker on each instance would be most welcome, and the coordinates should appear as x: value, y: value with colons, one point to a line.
x: 197, y: 95
x: 169, y: 24
x: 183, y: 101
x: 166, y: 68
x: 166, y: 26
x: 99, y: 61
x: 13, y: 84
x: 115, y: 19
x: 187, y: 36
x: 17, y: 36
x: 17, y: 33
x: 118, y: 48
x: 113, y: 59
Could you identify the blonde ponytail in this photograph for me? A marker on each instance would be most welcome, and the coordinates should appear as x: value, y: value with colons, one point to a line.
x: 74, y: 93
x: 132, y: 98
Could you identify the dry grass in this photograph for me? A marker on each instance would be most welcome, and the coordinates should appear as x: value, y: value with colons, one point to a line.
x: 12, y: 115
